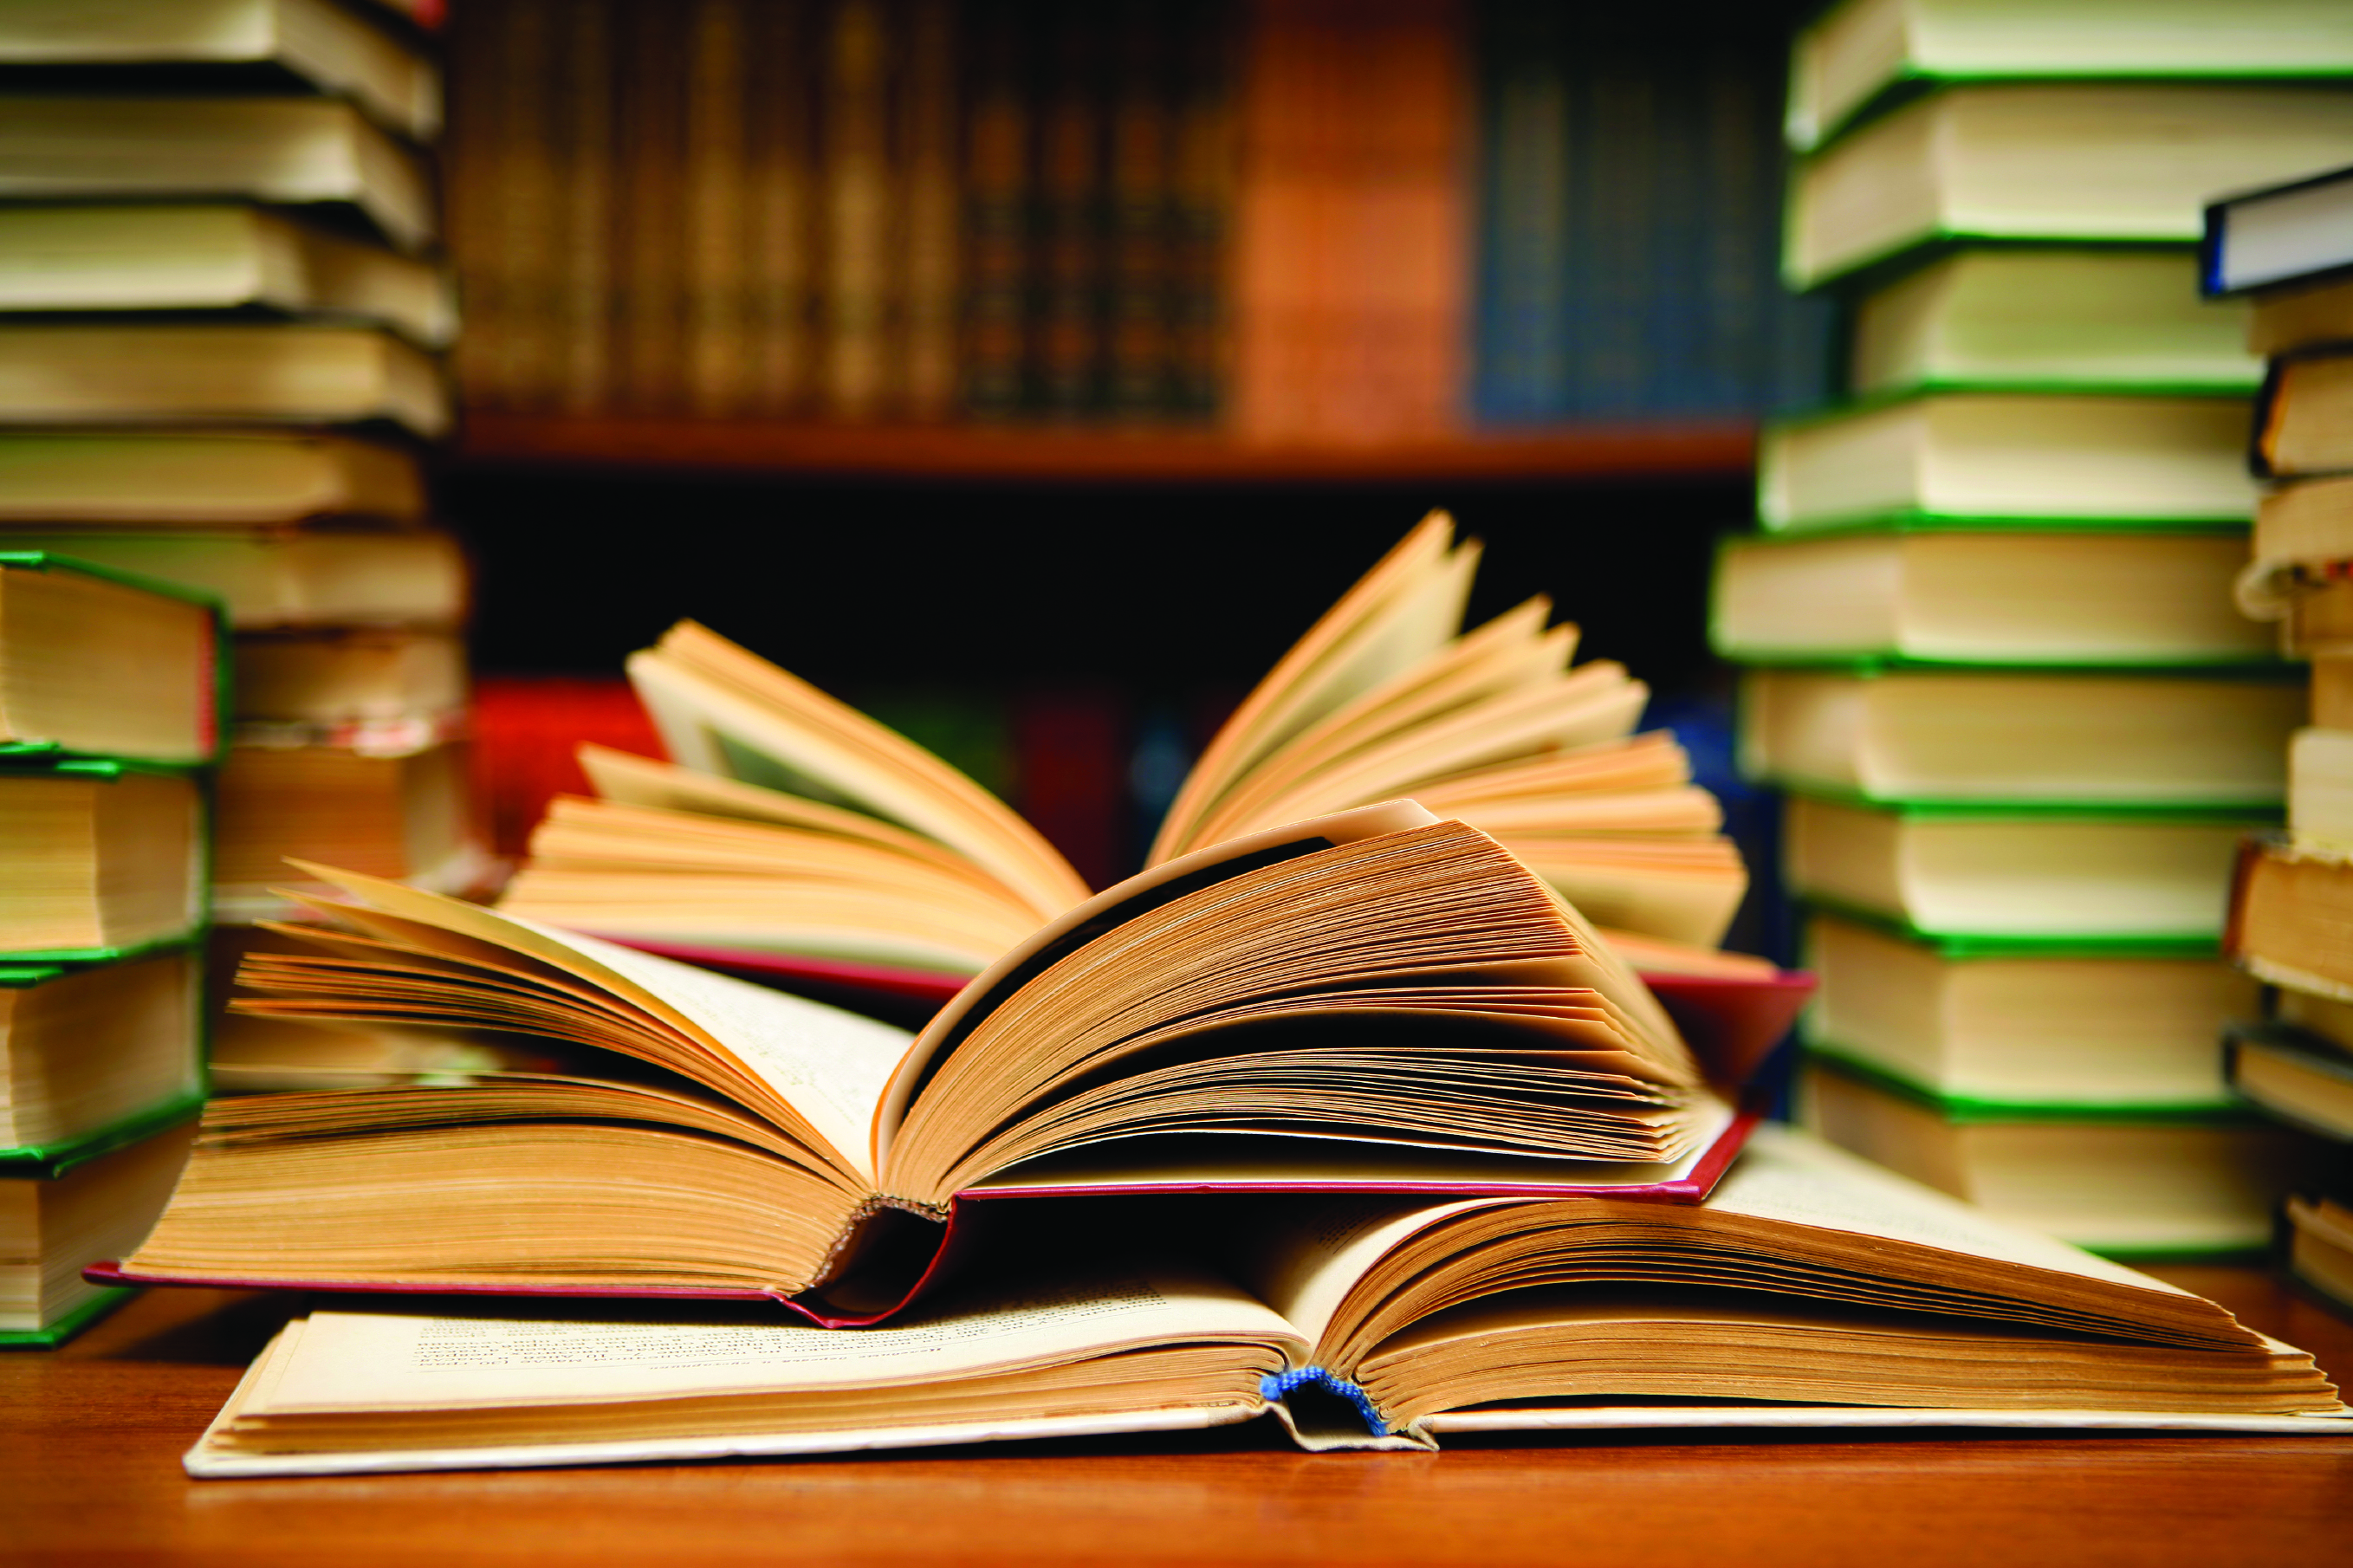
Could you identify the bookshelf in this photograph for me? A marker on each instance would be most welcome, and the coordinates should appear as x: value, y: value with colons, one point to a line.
x: 1214, y: 241
x: 1624, y: 450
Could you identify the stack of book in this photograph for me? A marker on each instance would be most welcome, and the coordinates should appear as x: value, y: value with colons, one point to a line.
x: 1996, y: 660
x: 222, y: 357
x: 109, y: 728
x: 2290, y: 249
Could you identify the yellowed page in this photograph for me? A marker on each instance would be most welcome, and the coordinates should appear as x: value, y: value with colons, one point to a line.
x: 1403, y: 611
x: 628, y: 780
x: 366, y: 1361
x: 827, y: 1065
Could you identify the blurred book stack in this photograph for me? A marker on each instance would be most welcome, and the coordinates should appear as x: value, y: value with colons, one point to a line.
x: 219, y: 365
x: 110, y: 725
x: 2288, y: 250
x: 1994, y: 656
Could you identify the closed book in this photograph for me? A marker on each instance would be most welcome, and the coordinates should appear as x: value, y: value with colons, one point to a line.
x: 2304, y: 420
x: 52, y: 1229
x: 2118, y: 1031
x: 318, y: 44
x: 1305, y: 1311
x: 94, y: 662
x: 2096, y: 163
x: 2292, y: 1075
x: 2010, y: 460
x: 205, y: 257
x: 283, y: 149
x: 104, y: 860
x: 1861, y: 57
x: 2019, y: 880
x: 2288, y: 907
x: 1933, y: 596
x: 2021, y: 737
x: 2310, y: 521
x: 2127, y: 1183
x: 298, y: 373
x: 2320, y: 1247
x: 2301, y: 316
x: 296, y: 577
x: 2278, y: 237
x: 2063, y: 318
x: 95, y: 1057
x: 349, y: 681
x: 201, y: 478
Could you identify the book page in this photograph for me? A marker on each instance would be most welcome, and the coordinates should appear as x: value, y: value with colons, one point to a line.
x: 829, y: 1066
x: 1790, y: 1177
x: 347, y: 1360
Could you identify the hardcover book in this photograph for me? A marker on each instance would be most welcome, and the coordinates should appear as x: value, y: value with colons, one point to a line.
x: 1378, y: 1000
x: 2097, y: 1028
x: 1809, y: 1291
x: 1927, y: 595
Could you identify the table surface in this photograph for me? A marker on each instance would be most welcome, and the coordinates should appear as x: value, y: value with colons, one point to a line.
x: 90, y: 1437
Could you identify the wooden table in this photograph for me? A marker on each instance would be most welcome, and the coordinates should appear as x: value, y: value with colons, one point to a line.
x: 90, y: 1438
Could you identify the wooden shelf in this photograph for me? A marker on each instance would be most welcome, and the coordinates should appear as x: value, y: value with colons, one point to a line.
x: 1094, y: 455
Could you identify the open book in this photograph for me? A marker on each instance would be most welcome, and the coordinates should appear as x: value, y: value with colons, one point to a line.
x: 1373, y: 1000
x: 1809, y: 1291
x: 798, y: 841
x: 795, y: 825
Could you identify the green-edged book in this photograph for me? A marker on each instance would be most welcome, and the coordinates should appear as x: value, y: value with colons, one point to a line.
x: 1863, y: 58
x: 51, y: 1229
x: 2009, y: 460
x: 2203, y: 740
x: 1918, y: 595
x: 110, y: 860
x: 94, y: 1058
x: 2184, y: 1184
x: 2056, y: 319
x: 98, y: 662
x: 103, y: 1299
x: 2113, y: 1028
x: 2051, y: 881
x: 2080, y: 163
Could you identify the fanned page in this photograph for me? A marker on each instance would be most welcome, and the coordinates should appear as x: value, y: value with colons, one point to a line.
x: 829, y: 1066
x: 722, y: 710
x: 1400, y: 612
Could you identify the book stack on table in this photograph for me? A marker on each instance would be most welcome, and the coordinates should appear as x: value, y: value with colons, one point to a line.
x: 109, y: 730
x: 223, y: 339
x: 2288, y: 249
x: 1993, y: 654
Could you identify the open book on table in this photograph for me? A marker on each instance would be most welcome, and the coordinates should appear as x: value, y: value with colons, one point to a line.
x: 1377, y: 1000
x: 794, y: 840
x: 1811, y: 1290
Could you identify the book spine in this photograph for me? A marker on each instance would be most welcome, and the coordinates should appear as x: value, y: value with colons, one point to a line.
x: 1067, y: 341
x: 652, y: 126
x: 859, y: 208
x: 779, y: 195
x: 929, y: 135
x: 1141, y: 238
x: 1518, y: 368
x: 1203, y: 202
x: 996, y: 212
x: 584, y: 303
x: 714, y: 372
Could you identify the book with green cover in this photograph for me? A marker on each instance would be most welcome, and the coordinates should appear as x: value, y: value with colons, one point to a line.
x: 1863, y: 58
x: 2080, y: 739
x: 54, y: 1228
x: 1916, y: 595
x: 2192, y: 1182
x: 2071, y: 877
x: 105, y: 1301
x: 112, y: 858
x: 2079, y: 162
x: 2009, y: 460
x: 2112, y: 1028
x: 99, y: 662
x: 2052, y: 318
x: 94, y: 1058
x: 1968, y: 1110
